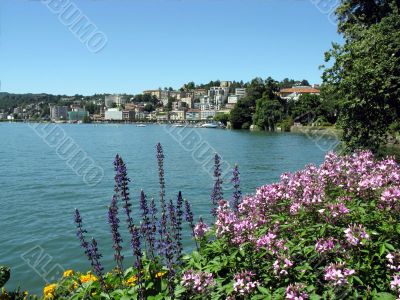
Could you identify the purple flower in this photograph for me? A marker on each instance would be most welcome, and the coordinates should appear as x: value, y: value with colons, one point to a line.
x: 244, y: 283
x: 81, y: 233
x: 116, y: 236
x: 200, y: 229
x: 296, y: 292
x: 198, y: 282
x: 338, y: 274
x: 190, y: 219
x: 217, y: 194
x: 324, y: 245
x: 237, y: 194
x: 356, y: 235
x: 160, y: 162
x: 97, y: 267
x: 146, y: 229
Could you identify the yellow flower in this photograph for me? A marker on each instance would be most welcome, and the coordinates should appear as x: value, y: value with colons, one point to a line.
x: 160, y: 274
x: 87, y: 278
x: 49, y: 290
x: 68, y: 273
x: 132, y: 280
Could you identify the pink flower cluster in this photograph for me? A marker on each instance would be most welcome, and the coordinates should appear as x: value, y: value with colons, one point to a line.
x: 244, y: 283
x: 338, y: 274
x: 390, y: 198
x: 295, y: 292
x: 394, y: 266
x: 281, y: 266
x: 325, y: 245
x: 356, y: 235
x: 393, y: 261
x: 239, y: 230
x: 200, y: 229
x: 197, y: 282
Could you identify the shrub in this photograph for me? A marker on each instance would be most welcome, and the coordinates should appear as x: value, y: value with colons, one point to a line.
x: 330, y: 232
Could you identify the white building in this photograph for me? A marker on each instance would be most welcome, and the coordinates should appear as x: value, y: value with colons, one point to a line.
x: 233, y: 99
x: 207, y: 114
x: 241, y: 92
x: 113, y: 114
x: 218, y: 95
x: 58, y: 113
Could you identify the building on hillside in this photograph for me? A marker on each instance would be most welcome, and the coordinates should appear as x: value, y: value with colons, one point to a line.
x: 193, y: 115
x: 225, y: 84
x: 233, y: 99
x: 295, y: 92
x: 218, y: 95
x: 177, y: 115
x: 207, y: 115
x: 162, y: 116
x: 155, y: 93
x: 240, y: 92
x: 58, y: 113
x: 128, y: 115
x: 77, y: 115
x: 198, y: 93
x: 206, y: 103
x: 188, y: 101
x: 113, y: 114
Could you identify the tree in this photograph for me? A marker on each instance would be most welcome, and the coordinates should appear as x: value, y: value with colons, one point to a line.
x: 307, y: 108
x: 365, y: 76
x: 241, y: 113
x: 355, y: 13
x: 149, y: 107
x: 268, y: 113
x: 222, y: 117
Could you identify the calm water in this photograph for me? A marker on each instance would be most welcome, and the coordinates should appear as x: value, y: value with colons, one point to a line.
x: 39, y: 191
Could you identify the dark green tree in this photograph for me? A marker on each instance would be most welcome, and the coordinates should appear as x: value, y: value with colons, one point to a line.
x: 268, y: 113
x: 365, y: 76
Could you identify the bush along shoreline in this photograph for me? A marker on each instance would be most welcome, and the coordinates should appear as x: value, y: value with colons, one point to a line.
x: 327, y: 232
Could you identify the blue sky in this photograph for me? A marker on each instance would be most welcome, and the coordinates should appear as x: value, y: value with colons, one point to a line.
x: 157, y: 43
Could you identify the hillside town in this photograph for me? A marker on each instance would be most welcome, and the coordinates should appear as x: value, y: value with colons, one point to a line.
x: 158, y: 105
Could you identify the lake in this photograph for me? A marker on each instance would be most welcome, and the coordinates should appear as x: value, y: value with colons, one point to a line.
x: 40, y: 189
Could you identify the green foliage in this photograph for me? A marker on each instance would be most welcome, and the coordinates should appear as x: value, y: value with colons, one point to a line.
x: 268, y: 113
x: 4, y: 275
x: 285, y: 124
x: 222, y: 117
x: 365, y: 75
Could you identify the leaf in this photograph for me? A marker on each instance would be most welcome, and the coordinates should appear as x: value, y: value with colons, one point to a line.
x: 264, y: 290
x: 384, y: 296
x: 382, y: 249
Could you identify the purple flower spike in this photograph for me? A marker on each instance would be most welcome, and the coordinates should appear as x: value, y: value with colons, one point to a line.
x: 113, y: 220
x: 237, y: 193
x: 217, y: 194
x: 97, y: 267
x: 146, y: 225
x: 190, y: 219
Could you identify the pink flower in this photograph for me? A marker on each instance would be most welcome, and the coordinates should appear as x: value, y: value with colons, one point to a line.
x: 197, y: 282
x: 356, y: 235
x: 294, y: 292
x: 324, y: 245
x: 338, y: 274
x: 244, y: 283
x: 200, y: 229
